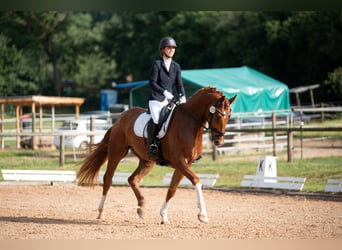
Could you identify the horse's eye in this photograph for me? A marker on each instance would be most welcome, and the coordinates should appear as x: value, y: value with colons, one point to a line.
x: 219, y: 116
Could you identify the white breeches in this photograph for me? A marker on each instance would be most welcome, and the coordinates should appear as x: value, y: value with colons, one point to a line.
x: 155, y: 108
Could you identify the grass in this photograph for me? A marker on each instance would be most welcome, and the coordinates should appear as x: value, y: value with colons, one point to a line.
x: 316, y: 170
x: 335, y: 135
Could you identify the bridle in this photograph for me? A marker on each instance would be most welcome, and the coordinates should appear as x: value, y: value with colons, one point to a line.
x: 212, y: 110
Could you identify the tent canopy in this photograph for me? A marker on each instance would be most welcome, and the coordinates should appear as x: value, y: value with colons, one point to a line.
x: 255, y: 91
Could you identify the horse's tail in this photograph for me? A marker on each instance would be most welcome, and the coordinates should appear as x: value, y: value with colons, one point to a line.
x: 91, y: 165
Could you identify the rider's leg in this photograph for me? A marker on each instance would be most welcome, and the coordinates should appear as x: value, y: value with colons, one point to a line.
x: 155, y: 108
x: 153, y: 147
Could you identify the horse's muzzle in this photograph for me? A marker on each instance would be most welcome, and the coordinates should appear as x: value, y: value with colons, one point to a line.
x: 217, y: 137
x: 218, y: 143
x: 218, y: 140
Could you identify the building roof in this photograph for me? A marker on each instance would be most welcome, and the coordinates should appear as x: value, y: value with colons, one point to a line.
x: 42, y: 100
x: 301, y: 89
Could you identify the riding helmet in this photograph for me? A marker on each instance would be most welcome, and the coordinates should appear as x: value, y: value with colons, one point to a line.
x: 167, y: 41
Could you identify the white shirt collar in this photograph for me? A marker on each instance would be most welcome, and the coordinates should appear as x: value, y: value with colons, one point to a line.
x: 167, y: 63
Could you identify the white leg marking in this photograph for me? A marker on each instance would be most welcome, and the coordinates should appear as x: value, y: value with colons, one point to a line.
x: 202, y: 216
x: 101, y: 205
x: 163, y: 213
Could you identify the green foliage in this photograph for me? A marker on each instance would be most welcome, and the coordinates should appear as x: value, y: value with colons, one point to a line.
x: 41, y: 49
x: 16, y: 75
x: 334, y: 84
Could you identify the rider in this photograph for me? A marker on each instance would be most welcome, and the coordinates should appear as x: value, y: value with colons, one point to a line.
x: 165, y: 73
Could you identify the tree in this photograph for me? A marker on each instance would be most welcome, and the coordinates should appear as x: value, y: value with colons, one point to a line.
x: 16, y: 75
x: 37, y: 31
x: 83, y: 62
x: 132, y: 38
x: 93, y: 49
x: 333, y: 85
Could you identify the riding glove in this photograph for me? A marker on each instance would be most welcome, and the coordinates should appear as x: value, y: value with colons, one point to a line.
x: 182, y: 99
x: 168, y: 95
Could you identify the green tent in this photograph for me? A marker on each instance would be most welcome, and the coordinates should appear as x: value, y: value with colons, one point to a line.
x: 255, y: 91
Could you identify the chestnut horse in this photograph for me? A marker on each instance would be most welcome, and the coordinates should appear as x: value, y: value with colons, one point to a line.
x: 181, y: 146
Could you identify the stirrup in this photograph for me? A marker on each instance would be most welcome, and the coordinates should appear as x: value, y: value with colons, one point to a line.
x: 153, y: 151
x: 154, y: 146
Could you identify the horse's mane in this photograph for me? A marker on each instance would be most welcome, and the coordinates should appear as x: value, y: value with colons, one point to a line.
x: 205, y: 91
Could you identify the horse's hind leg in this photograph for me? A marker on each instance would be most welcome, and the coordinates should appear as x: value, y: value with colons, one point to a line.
x: 113, y: 161
x: 134, y: 180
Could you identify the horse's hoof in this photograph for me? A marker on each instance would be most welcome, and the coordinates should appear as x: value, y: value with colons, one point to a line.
x: 203, y: 218
x: 100, y: 216
x: 164, y: 222
x: 140, y: 212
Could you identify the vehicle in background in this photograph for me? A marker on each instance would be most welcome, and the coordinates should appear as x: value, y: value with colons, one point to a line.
x: 111, y: 115
x: 97, y: 114
x: 116, y: 110
x: 27, y: 141
x: 75, y: 132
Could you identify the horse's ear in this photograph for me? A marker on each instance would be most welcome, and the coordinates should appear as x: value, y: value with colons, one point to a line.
x: 231, y: 100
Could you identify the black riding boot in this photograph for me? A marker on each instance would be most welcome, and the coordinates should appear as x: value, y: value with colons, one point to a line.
x: 153, y: 147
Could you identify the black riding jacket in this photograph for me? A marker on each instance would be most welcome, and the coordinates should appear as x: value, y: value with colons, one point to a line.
x: 161, y: 79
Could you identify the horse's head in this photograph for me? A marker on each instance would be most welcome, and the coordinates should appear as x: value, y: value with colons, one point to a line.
x: 219, y: 115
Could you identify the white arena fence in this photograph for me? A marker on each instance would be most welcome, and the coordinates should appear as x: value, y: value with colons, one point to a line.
x: 261, y: 131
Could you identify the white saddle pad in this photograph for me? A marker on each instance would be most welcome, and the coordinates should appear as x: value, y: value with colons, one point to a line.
x: 140, y: 125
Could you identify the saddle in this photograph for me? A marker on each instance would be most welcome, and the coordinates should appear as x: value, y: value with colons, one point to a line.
x: 144, y: 119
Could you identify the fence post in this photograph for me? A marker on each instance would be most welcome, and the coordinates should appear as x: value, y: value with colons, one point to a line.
x: 2, y: 127
x: 17, y: 125
x: 274, y: 134
x: 214, y: 154
x: 33, y: 126
x: 61, y: 150
x: 289, y: 145
x: 92, y: 129
x: 322, y: 112
x: 301, y: 140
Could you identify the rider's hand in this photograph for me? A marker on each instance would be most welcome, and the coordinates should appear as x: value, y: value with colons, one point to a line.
x: 168, y: 95
x: 182, y: 99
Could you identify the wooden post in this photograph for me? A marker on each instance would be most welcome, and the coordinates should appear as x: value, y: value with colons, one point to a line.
x: 289, y: 145
x: 53, y: 120
x: 92, y: 129
x: 214, y: 153
x: 274, y: 134
x: 61, y: 150
x: 40, y: 118
x: 298, y: 99
x: 301, y: 140
x: 33, y: 125
x: 77, y: 111
x: 322, y: 112
x: 17, y: 125
x: 2, y: 125
x: 312, y: 98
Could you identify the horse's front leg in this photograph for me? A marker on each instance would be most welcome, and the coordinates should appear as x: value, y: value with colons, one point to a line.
x: 176, y: 178
x: 202, y: 216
